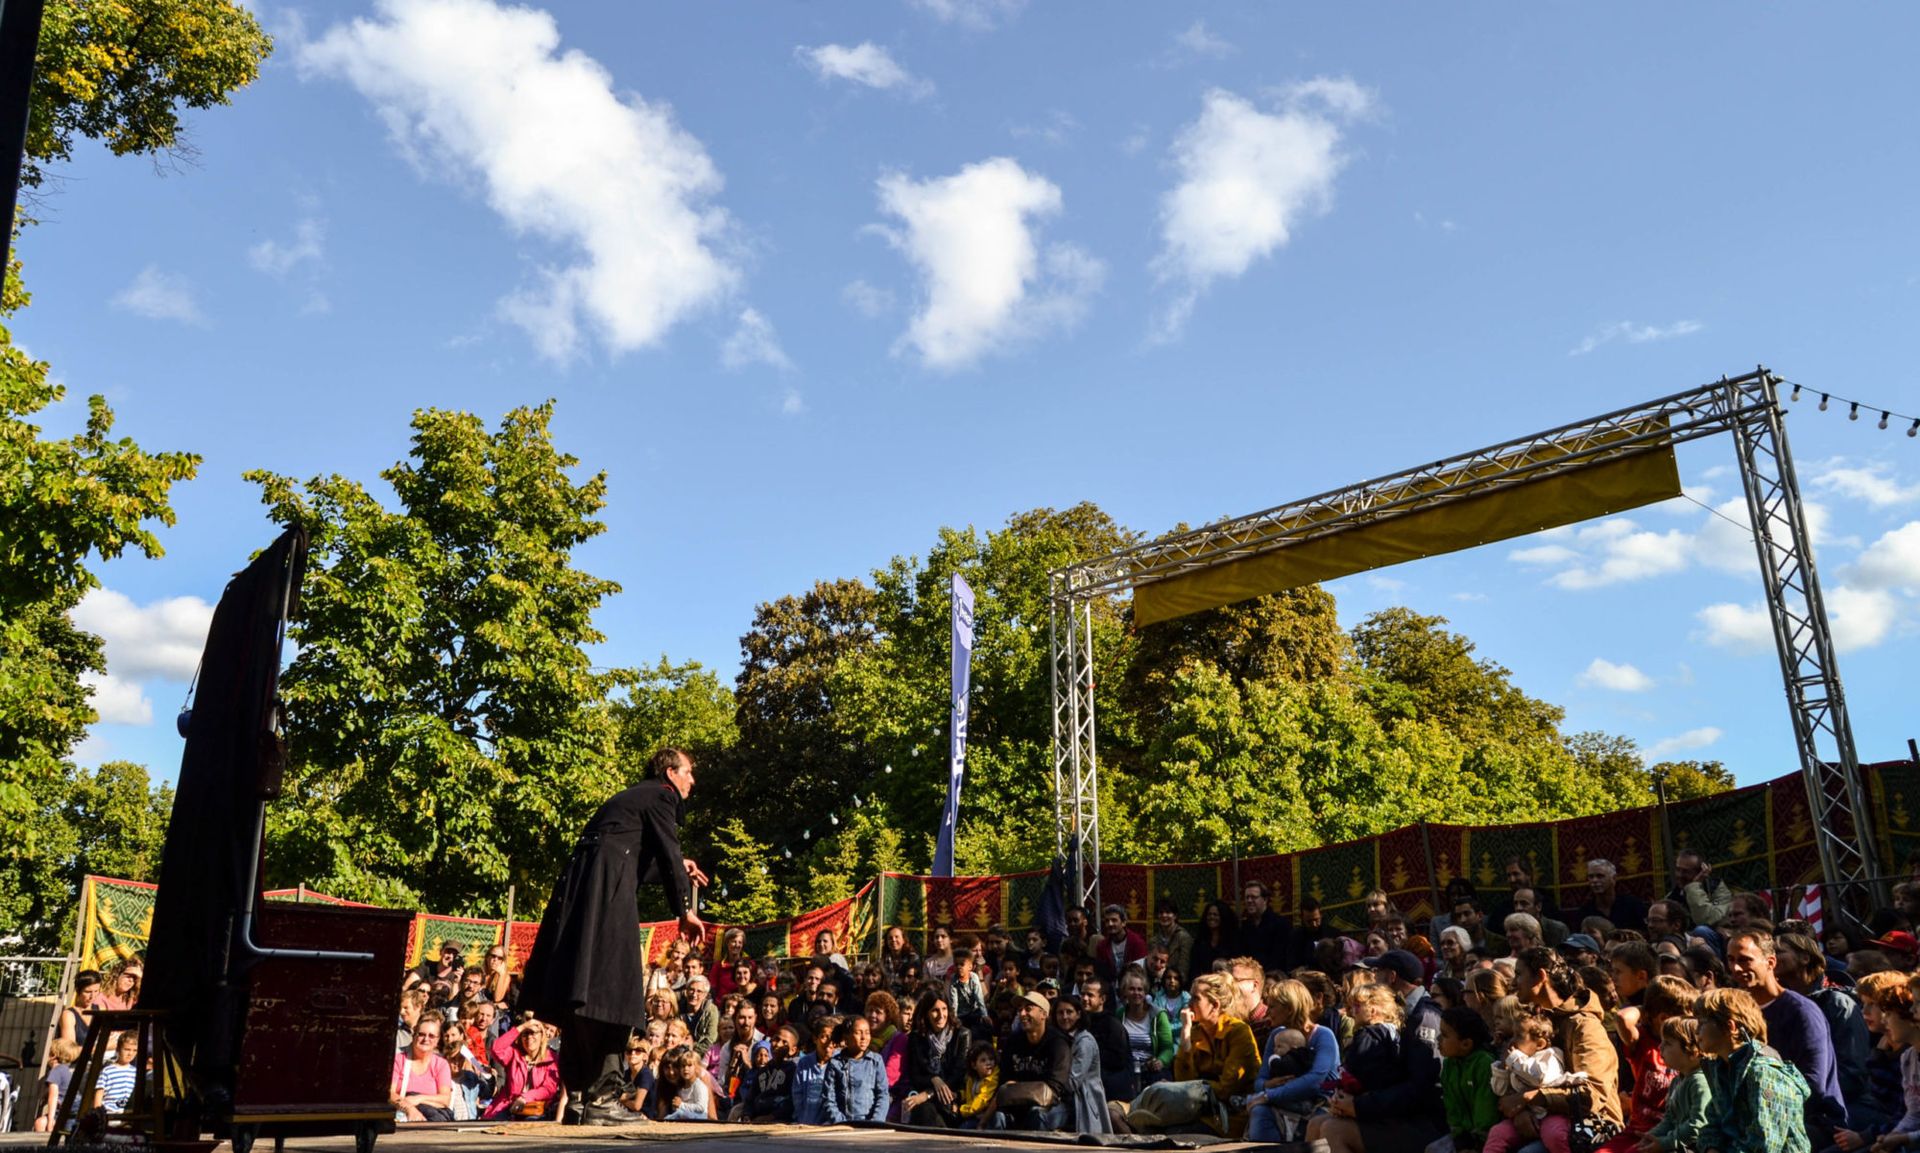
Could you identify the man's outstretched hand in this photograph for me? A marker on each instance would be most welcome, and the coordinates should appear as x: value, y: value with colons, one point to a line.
x: 693, y: 871
x: 692, y: 928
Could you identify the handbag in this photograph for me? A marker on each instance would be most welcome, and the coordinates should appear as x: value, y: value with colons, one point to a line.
x: 1026, y: 1095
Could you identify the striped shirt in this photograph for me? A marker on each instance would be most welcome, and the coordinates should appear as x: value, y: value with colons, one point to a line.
x: 116, y: 1086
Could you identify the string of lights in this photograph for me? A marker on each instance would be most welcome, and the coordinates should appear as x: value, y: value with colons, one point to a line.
x: 1888, y: 417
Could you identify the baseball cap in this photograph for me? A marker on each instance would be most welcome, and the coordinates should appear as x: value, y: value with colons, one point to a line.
x: 1400, y: 963
x: 1580, y: 941
x: 1040, y: 1000
x: 1899, y: 941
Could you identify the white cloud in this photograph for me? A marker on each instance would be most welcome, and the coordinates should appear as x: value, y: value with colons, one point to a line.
x: 792, y: 403
x: 309, y: 245
x: 1860, y: 618
x: 1891, y: 562
x: 469, y: 88
x: 865, y: 63
x: 867, y: 300
x: 118, y: 701
x: 1196, y: 40
x: 1247, y: 180
x: 1385, y: 584
x: 987, y: 283
x: 1634, y: 334
x: 159, y: 295
x: 1686, y: 742
x: 978, y: 14
x: 1742, y: 628
x: 158, y: 641
x: 753, y: 342
x: 1604, y: 674
x: 1056, y: 129
x: 1626, y: 553
x: 1871, y: 484
x: 1544, y: 554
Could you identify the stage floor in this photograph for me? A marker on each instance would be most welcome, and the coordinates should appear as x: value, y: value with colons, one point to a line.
x: 688, y: 1138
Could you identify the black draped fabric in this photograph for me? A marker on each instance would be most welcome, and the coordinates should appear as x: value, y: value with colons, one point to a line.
x: 586, y: 962
x: 231, y: 765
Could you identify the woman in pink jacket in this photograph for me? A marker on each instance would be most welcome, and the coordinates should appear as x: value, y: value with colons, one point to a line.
x: 532, y: 1090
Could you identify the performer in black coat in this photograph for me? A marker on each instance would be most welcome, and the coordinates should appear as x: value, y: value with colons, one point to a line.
x: 585, y: 973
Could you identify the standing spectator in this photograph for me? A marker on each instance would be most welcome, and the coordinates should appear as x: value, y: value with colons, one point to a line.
x: 1215, y: 940
x: 1170, y: 936
x: 1149, y: 1031
x: 703, y: 1016
x: 1704, y: 898
x: 896, y: 956
x: 856, y: 1086
x: 1800, y: 966
x: 1795, y: 1029
x: 1099, y: 1021
x: 1033, y: 1053
x: 1265, y: 935
x: 1528, y: 900
x: 1605, y: 899
x: 1757, y: 1103
x: 936, y: 1065
x: 1118, y: 946
x: 422, y: 1088
x: 810, y: 1074
x: 939, y: 959
x: 1308, y: 932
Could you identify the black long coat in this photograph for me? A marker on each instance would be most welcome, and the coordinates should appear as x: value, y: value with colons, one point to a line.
x: 586, y: 960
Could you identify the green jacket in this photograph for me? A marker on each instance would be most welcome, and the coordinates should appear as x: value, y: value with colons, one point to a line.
x: 1758, y: 1103
x: 1466, y: 1089
x: 1686, y: 1113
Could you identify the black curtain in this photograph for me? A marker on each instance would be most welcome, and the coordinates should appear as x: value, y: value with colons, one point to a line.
x: 232, y: 764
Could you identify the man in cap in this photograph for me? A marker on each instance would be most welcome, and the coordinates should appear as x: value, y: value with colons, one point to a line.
x: 1580, y: 949
x: 1404, y: 973
x: 1033, y: 1051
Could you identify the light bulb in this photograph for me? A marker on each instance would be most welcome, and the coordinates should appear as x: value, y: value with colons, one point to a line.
x: 1883, y: 421
x: 1853, y: 413
x: 787, y: 853
x: 889, y: 768
x: 1915, y: 430
x: 832, y: 817
x: 1823, y: 402
x: 808, y: 834
x: 1796, y: 393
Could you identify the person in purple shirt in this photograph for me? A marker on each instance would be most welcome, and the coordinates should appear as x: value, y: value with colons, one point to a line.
x: 1796, y: 1029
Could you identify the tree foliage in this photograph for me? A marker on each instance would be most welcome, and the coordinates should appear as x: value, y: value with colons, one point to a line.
x: 448, y: 733
x: 66, y: 504
x: 121, y: 72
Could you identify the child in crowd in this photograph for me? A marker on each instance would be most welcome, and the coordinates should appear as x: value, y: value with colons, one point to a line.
x: 1371, y: 1062
x: 810, y: 1075
x: 471, y: 1083
x: 856, y: 1077
x: 1171, y: 997
x: 681, y: 1087
x: 1901, y: 1035
x: 983, y: 1083
x: 768, y: 1095
x: 1685, y: 1117
x: 643, y: 1075
x: 1466, y: 1081
x: 1882, y: 995
x: 58, y: 1080
x: 1534, y: 1062
x: 117, y: 1081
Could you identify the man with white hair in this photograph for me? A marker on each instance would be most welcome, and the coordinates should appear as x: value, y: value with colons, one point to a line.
x: 1605, y: 899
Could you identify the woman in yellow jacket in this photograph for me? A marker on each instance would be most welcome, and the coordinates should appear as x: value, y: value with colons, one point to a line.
x: 1215, y: 1046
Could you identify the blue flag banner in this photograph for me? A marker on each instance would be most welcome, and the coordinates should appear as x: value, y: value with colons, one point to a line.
x: 957, y: 741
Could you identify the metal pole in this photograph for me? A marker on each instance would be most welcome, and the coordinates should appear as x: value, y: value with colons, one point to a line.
x: 19, y: 44
x: 300, y: 893
x: 1092, y: 789
x: 507, y: 929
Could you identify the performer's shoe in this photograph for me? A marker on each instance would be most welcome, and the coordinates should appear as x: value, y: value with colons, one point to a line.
x: 572, y: 1115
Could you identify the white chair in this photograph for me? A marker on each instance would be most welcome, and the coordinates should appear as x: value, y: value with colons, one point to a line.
x: 9, y: 1097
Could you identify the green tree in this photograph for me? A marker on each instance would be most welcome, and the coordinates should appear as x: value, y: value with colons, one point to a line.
x: 108, y: 821
x: 121, y: 72
x: 745, y: 890
x: 1425, y: 671
x: 669, y: 704
x: 1691, y: 780
x: 448, y: 734
x: 65, y: 505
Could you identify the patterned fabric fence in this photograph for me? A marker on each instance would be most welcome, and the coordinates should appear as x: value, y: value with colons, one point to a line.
x: 1760, y: 837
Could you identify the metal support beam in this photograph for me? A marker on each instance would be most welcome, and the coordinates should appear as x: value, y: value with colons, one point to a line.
x: 1747, y: 406
x: 1822, y: 733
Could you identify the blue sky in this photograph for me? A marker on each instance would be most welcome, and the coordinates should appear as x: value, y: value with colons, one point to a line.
x: 809, y: 281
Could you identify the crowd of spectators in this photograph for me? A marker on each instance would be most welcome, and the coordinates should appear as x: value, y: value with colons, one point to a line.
x: 1696, y: 1023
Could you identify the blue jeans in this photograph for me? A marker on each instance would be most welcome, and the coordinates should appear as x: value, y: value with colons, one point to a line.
x: 1052, y: 1117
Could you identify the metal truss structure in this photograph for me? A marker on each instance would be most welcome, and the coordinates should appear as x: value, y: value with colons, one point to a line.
x: 1746, y: 406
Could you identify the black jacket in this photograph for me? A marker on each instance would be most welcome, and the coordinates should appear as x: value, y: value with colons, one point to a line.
x: 951, y: 1067
x: 1268, y: 940
x: 586, y: 959
x: 1050, y: 1060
